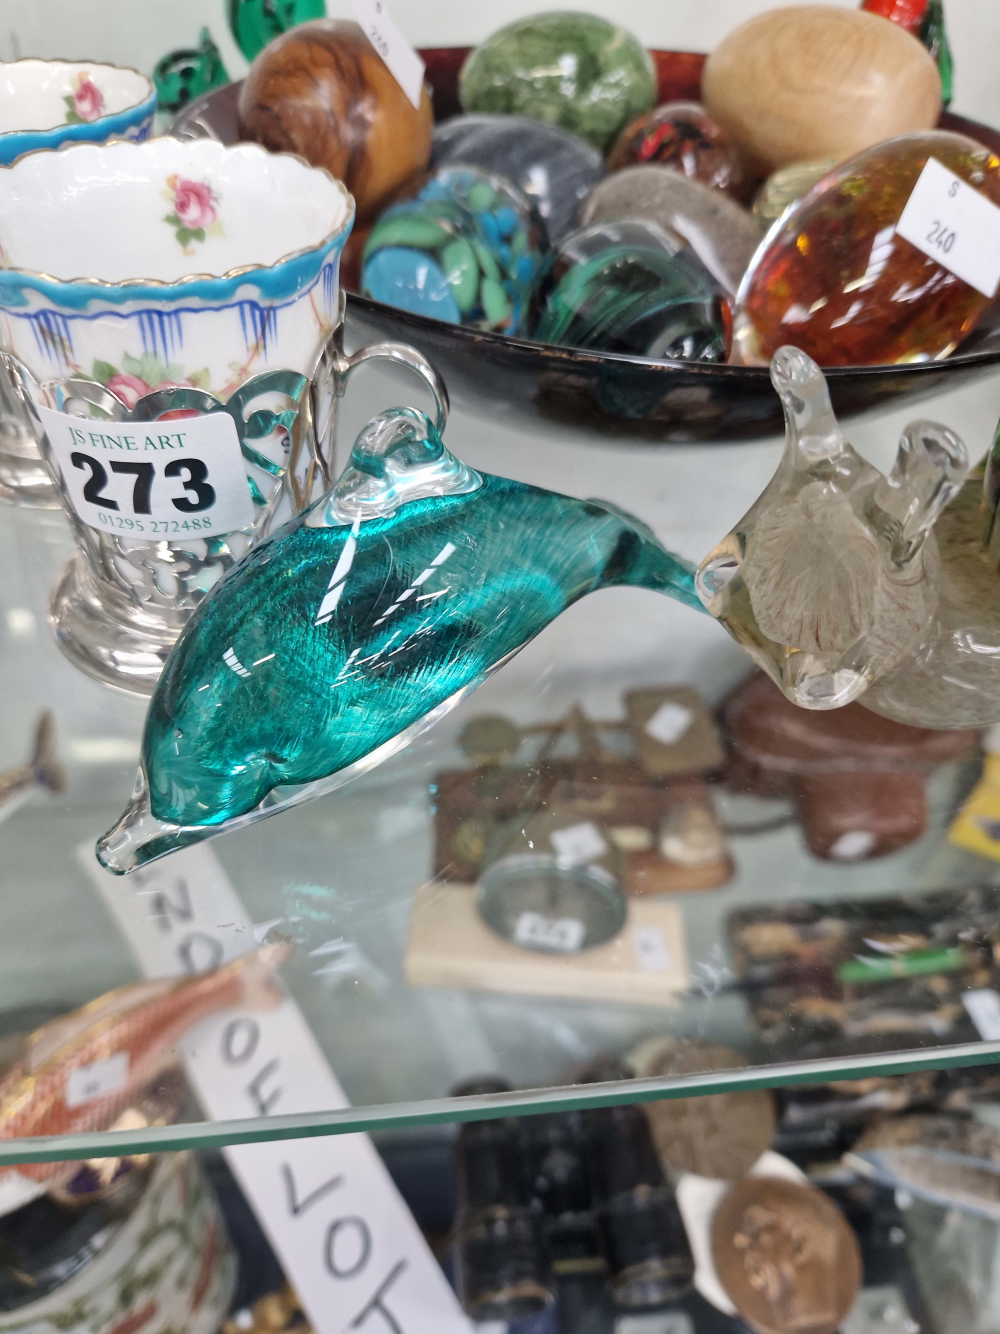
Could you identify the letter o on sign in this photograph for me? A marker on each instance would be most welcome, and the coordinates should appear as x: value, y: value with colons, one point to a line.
x: 348, y: 1246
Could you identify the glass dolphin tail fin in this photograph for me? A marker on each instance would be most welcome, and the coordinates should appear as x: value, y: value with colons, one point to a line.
x: 331, y: 645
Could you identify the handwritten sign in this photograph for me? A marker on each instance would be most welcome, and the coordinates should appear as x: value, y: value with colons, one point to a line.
x: 155, y: 481
x: 955, y: 225
x: 345, y: 1238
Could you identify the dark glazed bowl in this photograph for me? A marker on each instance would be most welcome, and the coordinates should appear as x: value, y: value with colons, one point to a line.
x: 607, y: 395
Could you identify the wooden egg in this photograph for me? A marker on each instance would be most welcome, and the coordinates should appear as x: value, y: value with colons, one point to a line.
x: 813, y: 81
x: 322, y: 90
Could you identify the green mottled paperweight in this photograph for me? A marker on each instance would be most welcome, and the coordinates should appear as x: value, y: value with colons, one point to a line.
x: 332, y: 644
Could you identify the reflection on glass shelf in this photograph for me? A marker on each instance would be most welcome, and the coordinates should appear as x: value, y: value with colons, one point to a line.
x: 698, y: 832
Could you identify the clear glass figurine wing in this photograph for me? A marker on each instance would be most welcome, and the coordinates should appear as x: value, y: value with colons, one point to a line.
x: 843, y: 584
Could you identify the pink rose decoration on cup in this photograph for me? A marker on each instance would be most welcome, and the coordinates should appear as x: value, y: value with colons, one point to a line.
x: 85, y: 102
x: 195, y: 213
x: 139, y: 376
x: 129, y: 388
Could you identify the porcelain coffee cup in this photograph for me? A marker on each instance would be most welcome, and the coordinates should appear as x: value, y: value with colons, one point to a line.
x: 160, y: 280
x: 47, y: 103
x: 44, y: 104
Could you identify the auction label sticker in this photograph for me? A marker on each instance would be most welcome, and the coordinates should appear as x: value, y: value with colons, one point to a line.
x: 669, y: 723
x: 401, y: 60
x: 158, y: 481
x: 96, y: 1080
x: 954, y: 225
x: 576, y: 844
x: 563, y: 935
x: 983, y: 1008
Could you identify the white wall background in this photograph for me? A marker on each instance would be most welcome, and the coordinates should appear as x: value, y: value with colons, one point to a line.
x: 138, y: 32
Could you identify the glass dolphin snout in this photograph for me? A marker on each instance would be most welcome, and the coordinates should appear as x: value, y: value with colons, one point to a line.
x: 358, y: 625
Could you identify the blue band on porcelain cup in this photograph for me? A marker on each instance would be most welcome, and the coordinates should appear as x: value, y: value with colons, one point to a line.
x: 166, y: 279
x: 170, y: 262
x: 47, y: 103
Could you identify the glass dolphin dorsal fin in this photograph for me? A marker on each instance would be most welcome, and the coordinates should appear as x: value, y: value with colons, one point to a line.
x: 358, y: 625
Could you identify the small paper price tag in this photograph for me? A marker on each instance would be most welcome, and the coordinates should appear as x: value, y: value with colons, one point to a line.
x: 578, y: 843
x: 563, y: 935
x: 654, y: 1322
x: 669, y: 723
x: 954, y: 225
x: 96, y: 1080
x: 651, y: 949
x: 401, y: 60
x: 983, y: 1008
x: 156, y: 481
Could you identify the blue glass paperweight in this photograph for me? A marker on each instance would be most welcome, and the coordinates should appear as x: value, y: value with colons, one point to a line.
x: 467, y: 249
x: 359, y: 624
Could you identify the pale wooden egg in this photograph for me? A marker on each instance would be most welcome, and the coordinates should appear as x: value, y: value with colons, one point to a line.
x: 813, y: 81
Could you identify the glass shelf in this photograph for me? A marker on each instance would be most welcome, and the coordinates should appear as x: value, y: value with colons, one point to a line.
x: 340, y: 875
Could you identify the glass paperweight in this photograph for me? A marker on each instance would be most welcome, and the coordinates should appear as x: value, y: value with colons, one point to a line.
x: 684, y: 137
x: 785, y: 186
x: 909, y: 14
x: 934, y: 36
x: 358, y: 625
x: 254, y: 23
x: 845, y: 584
x: 632, y: 287
x: 554, y: 169
x: 838, y: 279
x: 184, y: 75
x: 466, y: 250
x: 571, y: 69
x: 723, y: 235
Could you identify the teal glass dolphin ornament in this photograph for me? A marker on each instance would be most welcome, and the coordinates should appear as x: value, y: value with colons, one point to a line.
x: 339, y: 638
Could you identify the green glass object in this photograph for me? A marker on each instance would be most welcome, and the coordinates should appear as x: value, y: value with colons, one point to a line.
x: 254, y: 23
x: 574, y: 70
x: 358, y: 625
x: 915, y: 963
x: 184, y: 75
x: 934, y: 36
x: 629, y: 287
x: 467, y: 249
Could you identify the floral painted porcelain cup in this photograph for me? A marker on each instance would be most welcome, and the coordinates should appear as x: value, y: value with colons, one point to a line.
x: 47, y: 103
x: 43, y: 104
x: 151, y: 283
